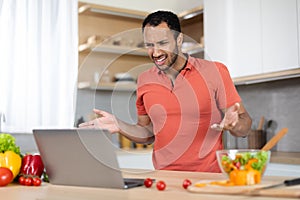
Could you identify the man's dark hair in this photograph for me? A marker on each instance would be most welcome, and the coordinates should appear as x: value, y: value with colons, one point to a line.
x: 156, y: 18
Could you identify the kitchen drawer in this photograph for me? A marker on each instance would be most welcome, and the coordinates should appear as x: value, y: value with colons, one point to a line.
x: 135, y: 159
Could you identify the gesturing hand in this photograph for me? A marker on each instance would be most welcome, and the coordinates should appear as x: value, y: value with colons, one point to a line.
x: 104, y: 121
x: 230, y: 119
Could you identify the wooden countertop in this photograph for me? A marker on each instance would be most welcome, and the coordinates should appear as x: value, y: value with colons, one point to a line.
x: 173, y: 191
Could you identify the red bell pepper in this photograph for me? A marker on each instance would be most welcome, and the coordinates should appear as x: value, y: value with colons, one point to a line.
x: 32, y: 165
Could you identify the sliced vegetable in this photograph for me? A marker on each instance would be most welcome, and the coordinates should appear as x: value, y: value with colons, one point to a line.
x: 245, y: 168
x: 242, y: 161
x: 245, y: 177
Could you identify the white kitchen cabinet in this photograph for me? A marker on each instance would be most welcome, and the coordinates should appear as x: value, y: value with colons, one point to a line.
x: 279, y: 35
x: 252, y: 36
x: 216, y: 30
x: 244, y: 45
x: 298, y: 11
x: 232, y: 35
x: 135, y: 159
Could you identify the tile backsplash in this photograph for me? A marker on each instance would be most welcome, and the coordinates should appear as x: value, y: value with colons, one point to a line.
x: 278, y: 101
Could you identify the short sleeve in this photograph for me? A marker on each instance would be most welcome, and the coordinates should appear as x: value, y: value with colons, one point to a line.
x: 140, y: 106
x: 141, y: 110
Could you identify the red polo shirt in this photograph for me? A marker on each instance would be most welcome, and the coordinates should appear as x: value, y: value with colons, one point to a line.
x: 182, y: 114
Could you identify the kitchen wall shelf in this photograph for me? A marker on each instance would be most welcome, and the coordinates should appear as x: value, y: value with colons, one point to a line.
x: 246, y: 80
x: 197, y: 48
x: 85, y: 6
x: 108, y: 10
x: 121, y: 50
x: 265, y: 77
x: 107, y: 33
x: 188, y: 14
x: 115, y: 86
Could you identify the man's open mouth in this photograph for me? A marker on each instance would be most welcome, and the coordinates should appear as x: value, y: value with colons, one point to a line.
x: 160, y: 60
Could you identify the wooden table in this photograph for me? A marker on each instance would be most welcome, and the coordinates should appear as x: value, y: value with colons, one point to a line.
x: 173, y: 191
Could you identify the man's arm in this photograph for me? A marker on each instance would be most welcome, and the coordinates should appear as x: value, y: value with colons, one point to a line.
x: 242, y: 126
x: 142, y: 132
x: 236, y: 120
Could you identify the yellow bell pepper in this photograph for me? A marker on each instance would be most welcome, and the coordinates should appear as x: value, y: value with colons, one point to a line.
x: 12, y: 161
x: 250, y: 162
x: 253, y: 177
x: 238, y: 177
x: 245, y: 177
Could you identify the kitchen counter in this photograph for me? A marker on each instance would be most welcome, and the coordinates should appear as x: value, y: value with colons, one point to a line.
x: 173, y: 191
x: 142, y: 159
x: 285, y: 157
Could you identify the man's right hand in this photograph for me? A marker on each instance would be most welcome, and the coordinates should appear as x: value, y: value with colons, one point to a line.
x: 104, y: 120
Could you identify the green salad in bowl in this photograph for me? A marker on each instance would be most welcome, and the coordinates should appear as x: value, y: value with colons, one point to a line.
x: 243, y: 166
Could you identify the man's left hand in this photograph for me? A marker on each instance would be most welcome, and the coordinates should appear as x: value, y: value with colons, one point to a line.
x: 230, y: 119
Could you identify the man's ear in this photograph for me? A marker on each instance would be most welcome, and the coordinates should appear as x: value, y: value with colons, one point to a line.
x: 180, y: 39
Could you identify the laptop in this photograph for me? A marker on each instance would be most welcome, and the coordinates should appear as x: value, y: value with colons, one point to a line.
x: 81, y: 157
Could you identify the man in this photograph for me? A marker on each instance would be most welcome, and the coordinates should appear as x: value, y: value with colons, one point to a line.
x: 183, y: 103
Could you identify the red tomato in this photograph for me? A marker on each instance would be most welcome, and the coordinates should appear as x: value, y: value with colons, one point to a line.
x: 161, y: 185
x: 28, y: 181
x: 6, y: 176
x: 36, y: 181
x: 186, y: 183
x: 22, y: 180
x: 238, y: 165
x: 148, y: 182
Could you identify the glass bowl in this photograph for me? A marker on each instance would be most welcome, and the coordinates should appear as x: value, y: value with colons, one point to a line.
x: 243, y: 166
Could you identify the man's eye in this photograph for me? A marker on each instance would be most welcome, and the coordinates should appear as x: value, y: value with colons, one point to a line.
x: 162, y: 43
x: 148, y: 45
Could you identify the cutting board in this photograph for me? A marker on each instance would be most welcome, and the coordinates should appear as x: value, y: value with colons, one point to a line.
x: 284, y: 192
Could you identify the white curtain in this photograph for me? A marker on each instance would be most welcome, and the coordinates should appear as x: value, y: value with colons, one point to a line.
x: 38, y: 64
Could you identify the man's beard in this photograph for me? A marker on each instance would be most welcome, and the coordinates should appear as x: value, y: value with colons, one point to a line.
x: 174, y: 57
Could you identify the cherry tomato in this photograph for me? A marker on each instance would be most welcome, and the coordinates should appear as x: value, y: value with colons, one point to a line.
x: 36, y: 181
x: 148, y: 182
x: 186, y: 183
x: 22, y: 180
x: 161, y: 185
x: 6, y: 176
x: 238, y: 165
x: 28, y: 181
